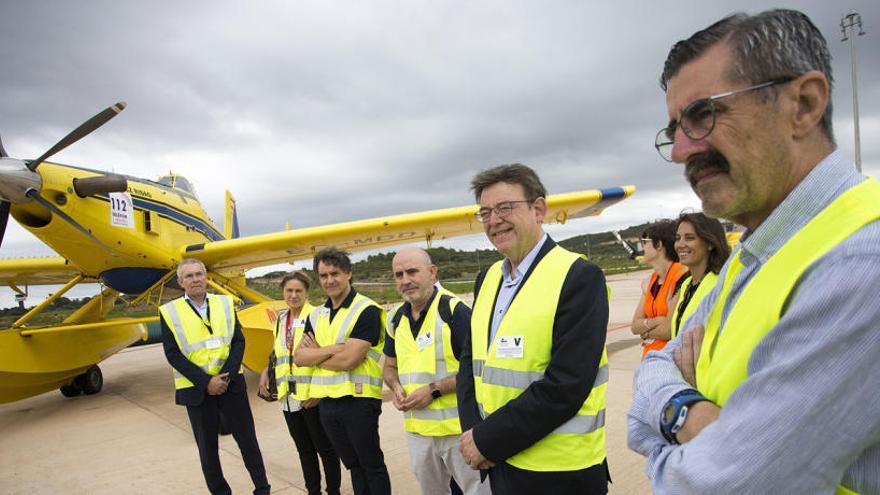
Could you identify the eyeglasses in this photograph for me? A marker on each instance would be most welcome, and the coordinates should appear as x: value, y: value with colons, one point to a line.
x: 502, y: 209
x: 698, y: 119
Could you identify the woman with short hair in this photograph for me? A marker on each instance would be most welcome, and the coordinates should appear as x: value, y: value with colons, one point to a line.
x: 660, y: 291
x: 300, y: 412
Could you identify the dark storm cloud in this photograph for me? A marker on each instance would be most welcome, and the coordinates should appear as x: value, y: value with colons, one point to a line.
x: 370, y: 109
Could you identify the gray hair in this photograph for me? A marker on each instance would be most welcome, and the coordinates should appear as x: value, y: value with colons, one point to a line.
x: 189, y: 261
x: 772, y: 45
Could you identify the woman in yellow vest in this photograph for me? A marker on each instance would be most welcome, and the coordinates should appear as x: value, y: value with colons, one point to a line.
x: 660, y: 292
x: 701, y: 245
x: 292, y: 383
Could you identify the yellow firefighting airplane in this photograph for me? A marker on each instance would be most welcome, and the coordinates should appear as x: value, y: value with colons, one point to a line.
x: 129, y: 234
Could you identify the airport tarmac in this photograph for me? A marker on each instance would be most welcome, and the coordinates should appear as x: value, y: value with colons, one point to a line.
x: 132, y: 438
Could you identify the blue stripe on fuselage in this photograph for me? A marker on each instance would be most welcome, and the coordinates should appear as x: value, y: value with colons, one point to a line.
x: 172, y: 214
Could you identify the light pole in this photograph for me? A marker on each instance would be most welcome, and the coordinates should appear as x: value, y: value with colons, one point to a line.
x: 850, y: 22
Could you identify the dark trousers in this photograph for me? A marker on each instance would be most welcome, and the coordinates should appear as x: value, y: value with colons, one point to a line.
x: 308, y: 435
x: 506, y: 479
x: 205, y: 421
x: 353, y: 427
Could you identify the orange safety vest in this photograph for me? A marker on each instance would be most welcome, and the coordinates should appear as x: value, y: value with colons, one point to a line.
x: 659, y: 305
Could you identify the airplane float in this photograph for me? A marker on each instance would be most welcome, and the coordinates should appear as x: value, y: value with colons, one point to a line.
x: 128, y: 234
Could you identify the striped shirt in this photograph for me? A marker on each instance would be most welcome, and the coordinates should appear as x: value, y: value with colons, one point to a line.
x: 808, y: 415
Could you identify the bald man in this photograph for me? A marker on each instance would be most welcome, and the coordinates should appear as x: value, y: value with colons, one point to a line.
x: 424, y: 338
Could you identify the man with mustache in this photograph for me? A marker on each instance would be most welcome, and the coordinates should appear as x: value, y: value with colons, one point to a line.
x: 773, y: 387
x: 532, y: 378
x: 423, y: 343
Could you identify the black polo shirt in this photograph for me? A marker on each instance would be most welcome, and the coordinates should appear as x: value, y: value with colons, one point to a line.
x: 368, y: 325
x: 460, y: 327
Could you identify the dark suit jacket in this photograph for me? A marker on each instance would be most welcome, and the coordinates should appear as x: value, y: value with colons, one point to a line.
x: 579, y: 332
x: 193, y: 396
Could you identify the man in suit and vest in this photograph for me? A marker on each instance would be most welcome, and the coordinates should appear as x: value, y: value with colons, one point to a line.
x: 423, y: 344
x: 531, y: 382
x: 203, y: 343
x: 342, y: 342
x: 773, y: 386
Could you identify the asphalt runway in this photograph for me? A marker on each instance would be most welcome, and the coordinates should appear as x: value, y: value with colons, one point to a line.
x: 131, y: 438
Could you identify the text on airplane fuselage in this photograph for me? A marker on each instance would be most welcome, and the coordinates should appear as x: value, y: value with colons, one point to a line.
x: 384, y: 238
x: 139, y: 192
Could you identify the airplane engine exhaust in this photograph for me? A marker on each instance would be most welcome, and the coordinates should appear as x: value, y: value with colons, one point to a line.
x: 97, y: 185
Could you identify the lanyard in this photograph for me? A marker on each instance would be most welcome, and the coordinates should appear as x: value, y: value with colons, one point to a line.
x: 206, y: 321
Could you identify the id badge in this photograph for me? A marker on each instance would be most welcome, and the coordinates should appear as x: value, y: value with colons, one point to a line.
x: 424, y: 340
x: 212, y: 344
x: 510, y: 347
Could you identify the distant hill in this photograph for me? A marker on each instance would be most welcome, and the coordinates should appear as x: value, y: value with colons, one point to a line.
x: 373, y: 275
x: 457, y: 270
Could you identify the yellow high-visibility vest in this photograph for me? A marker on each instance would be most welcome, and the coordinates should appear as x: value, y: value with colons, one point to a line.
x: 287, y: 374
x: 365, y: 380
x: 421, y: 361
x: 206, y: 349
x: 706, y: 286
x: 579, y: 442
x: 724, y: 356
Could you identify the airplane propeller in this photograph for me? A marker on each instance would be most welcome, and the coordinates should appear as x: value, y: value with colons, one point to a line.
x: 35, y: 195
x: 4, y: 218
x: 20, y: 182
x: 80, y: 132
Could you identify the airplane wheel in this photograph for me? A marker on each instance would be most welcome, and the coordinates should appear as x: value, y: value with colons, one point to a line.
x: 70, y: 390
x: 91, y: 381
x: 224, y: 425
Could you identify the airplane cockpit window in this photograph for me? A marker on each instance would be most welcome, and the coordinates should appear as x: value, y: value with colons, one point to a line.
x: 177, y: 182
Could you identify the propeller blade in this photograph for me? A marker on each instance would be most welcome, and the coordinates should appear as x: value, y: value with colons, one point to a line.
x: 35, y: 195
x: 2, y: 152
x: 80, y: 132
x: 4, y: 216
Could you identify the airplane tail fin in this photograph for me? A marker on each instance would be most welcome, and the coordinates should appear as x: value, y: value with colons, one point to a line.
x: 230, y: 223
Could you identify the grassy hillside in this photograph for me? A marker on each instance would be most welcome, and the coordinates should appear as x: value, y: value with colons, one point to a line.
x: 372, y: 276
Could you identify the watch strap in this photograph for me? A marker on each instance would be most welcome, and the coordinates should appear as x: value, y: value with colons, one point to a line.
x: 675, y: 413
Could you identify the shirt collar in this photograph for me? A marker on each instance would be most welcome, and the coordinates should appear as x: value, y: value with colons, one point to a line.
x: 204, y: 304
x: 407, y: 307
x: 345, y: 303
x: 524, y: 265
x: 816, y: 191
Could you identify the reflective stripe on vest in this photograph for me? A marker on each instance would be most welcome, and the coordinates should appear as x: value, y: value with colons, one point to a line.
x: 286, y: 372
x: 365, y: 380
x: 414, y: 368
x: 579, y: 442
x: 207, y: 350
x: 725, y: 354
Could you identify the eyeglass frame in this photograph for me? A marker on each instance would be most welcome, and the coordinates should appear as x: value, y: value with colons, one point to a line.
x: 484, y: 214
x: 670, y: 130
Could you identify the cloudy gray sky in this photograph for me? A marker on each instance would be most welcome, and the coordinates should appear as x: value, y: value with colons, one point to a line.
x: 319, y: 112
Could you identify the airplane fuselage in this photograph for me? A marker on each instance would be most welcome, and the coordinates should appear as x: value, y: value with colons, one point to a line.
x: 144, y: 228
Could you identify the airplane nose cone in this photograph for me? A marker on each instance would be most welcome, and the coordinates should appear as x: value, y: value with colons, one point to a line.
x: 16, y: 179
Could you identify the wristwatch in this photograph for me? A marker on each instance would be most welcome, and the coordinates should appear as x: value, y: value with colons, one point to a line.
x: 435, y: 391
x: 675, y: 412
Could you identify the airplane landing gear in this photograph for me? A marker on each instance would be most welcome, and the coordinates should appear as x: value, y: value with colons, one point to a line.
x: 70, y: 390
x: 88, y: 383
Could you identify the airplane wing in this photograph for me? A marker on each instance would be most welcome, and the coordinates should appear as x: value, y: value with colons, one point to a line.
x: 269, y: 249
x: 36, y: 271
